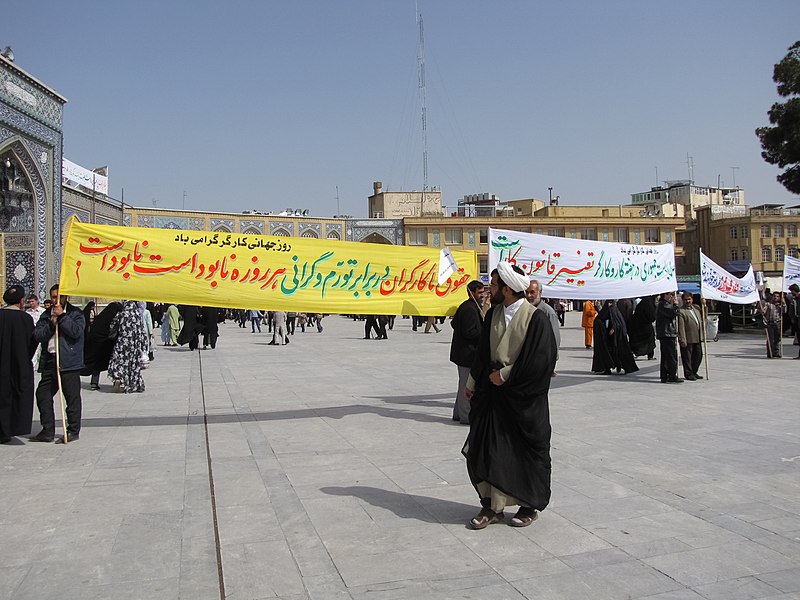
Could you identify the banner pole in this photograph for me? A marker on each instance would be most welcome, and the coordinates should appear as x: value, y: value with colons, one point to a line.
x: 60, y: 389
x: 705, y: 333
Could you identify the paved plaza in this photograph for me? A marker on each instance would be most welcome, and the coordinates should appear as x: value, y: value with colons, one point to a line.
x: 336, y: 473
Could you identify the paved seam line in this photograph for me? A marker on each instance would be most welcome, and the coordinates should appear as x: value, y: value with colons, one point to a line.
x: 217, y: 548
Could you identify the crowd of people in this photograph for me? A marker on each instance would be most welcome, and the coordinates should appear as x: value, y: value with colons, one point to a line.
x: 64, y: 342
x: 506, y: 358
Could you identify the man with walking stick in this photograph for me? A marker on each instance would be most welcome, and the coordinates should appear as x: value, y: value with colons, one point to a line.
x: 60, y: 331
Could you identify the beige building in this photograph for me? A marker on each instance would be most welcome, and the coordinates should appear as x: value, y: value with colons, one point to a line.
x: 399, y: 205
x: 734, y: 236
x: 600, y: 223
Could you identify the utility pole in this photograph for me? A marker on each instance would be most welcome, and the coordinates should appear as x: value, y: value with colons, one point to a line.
x: 421, y: 63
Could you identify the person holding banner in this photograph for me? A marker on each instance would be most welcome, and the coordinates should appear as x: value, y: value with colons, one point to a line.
x: 667, y: 333
x: 508, y: 446
x: 60, y: 367
x: 690, y: 337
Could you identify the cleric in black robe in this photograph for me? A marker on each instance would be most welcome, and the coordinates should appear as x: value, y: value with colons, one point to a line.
x: 642, y: 334
x: 508, y: 446
x: 17, y: 347
x: 190, y: 333
x: 611, y: 348
x: 99, y: 344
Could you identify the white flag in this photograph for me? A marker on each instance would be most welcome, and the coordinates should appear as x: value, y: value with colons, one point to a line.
x: 717, y: 284
x: 791, y: 272
x: 447, y: 265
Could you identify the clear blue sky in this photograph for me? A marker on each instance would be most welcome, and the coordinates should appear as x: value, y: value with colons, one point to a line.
x: 269, y: 105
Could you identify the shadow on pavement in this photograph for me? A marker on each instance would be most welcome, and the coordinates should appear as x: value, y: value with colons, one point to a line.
x: 409, y: 506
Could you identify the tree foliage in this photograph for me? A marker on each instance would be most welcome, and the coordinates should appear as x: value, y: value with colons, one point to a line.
x: 780, y: 143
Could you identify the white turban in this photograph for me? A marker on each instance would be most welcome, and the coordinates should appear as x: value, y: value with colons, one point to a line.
x: 516, y: 281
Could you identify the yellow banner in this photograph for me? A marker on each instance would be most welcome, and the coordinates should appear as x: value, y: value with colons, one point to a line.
x: 259, y: 271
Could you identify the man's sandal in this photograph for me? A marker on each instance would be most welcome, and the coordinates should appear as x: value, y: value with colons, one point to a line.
x: 524, y: 517
x: 485, y: 518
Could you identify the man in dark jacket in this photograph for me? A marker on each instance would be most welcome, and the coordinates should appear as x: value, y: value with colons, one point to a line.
x: 467, y: 324
x: 68, y: 321
x: 667, y: 334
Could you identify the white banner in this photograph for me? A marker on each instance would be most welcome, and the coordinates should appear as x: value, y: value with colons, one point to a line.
x: 717, y: 284
x: 84, y: 177
x: 791, y: 272
x: 568, y: 268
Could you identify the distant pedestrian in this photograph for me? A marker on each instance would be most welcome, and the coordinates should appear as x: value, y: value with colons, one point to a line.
x: 587, y: 322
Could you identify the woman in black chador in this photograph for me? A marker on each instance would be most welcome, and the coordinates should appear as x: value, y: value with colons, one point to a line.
x: 642, y: 335
x: 611, y: 348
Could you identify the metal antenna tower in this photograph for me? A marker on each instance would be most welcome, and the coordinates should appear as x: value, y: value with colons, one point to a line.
x: 421, y: 66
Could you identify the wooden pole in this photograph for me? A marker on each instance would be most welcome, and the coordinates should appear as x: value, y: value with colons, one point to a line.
x: 60, y: 389
x: 705, y: 334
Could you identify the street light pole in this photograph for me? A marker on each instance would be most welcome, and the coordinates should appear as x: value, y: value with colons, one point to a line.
x: 550, y: 189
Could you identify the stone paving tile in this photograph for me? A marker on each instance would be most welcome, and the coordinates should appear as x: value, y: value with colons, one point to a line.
x: 338, y: 475
x: 719, y: 563
x: 785, y: 581
x: 745, y: 588
x: 608, y: 582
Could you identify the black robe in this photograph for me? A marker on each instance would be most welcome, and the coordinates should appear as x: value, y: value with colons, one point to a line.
x: 611, y: 351
x: 17, y: 347
x: 191, y: 326
x: 99, y: 344
x: 642, y: 335
x: 508, y: 444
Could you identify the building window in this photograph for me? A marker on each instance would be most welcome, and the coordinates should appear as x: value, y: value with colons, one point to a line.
x: 604, y: 235
x: 778, y: 230
x: 766, y: 254
x: 734, y: 254
x: 734, y: 233
x: 622, y: 235
x: 652, y: 235
x: 556, y: 232
x: 791, y: 230
x: 453, y: 237
x: 779, y: 252
x: 745, y: 232
x: 333, y: 235
x: 589, y: 233
x: 417, y: 236
x: 765, y: 231
x: 744, y: 253
x: 794, y: 252
x: 484, y: 239
x: 483, y: 264
x: 278, y: 232
x: 309, y: 233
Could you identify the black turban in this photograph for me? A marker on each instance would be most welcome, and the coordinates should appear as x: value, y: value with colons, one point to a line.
x: 14, y: 294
